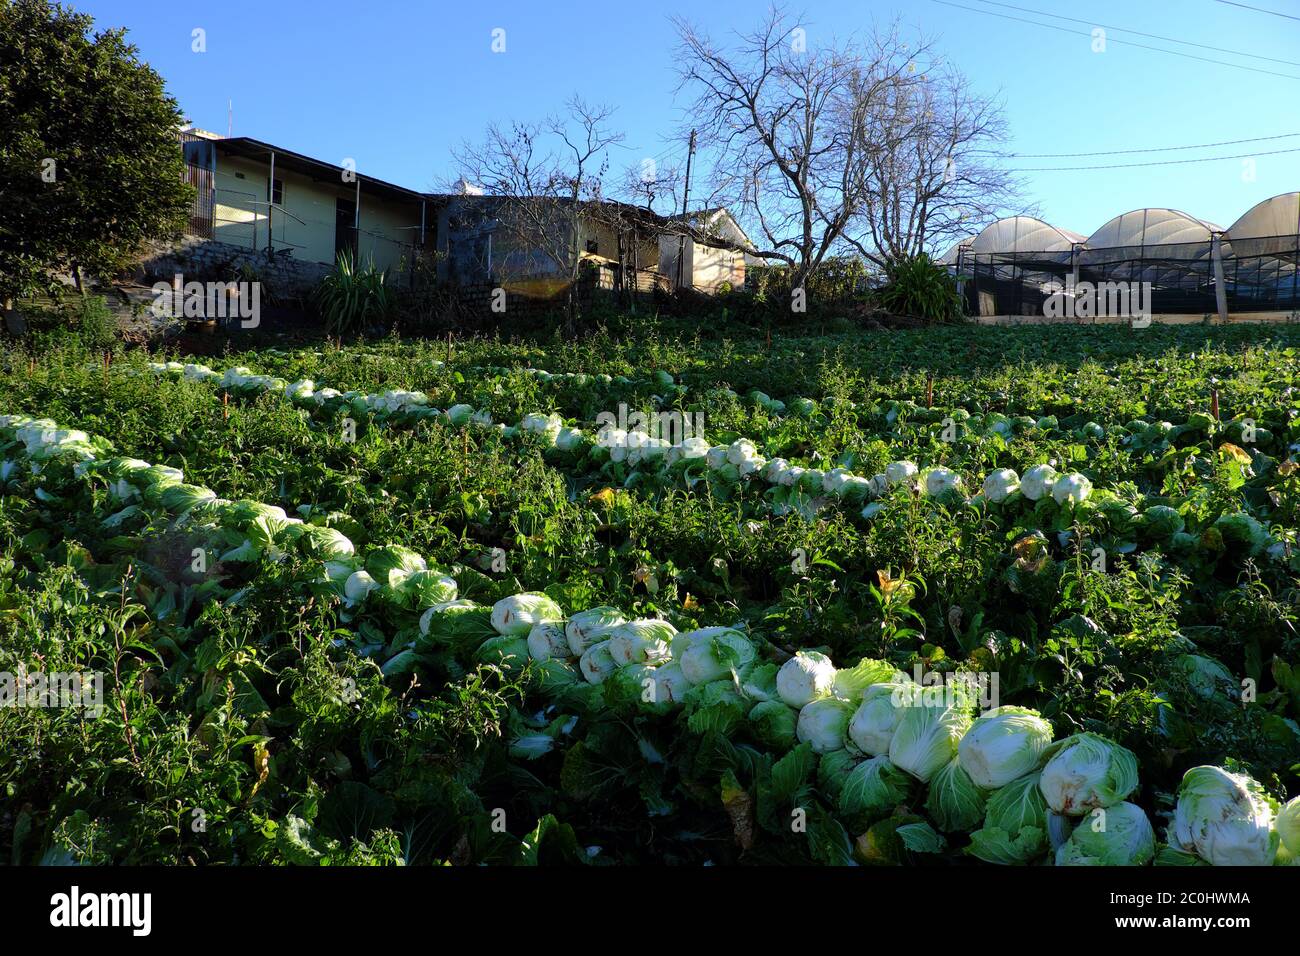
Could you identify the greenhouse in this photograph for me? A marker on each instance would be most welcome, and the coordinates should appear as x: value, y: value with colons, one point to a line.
x: 1193, y: 267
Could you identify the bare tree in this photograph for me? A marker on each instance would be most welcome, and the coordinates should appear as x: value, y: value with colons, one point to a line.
x: 833, y: 147
x: 536, y: 179
x: 932, y: 174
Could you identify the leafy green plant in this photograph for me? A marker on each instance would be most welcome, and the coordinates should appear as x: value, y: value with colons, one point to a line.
x: 352, y: 298
x: 920, y: 287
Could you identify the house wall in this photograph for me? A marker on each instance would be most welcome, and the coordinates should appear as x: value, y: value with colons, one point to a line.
x: 307, y: 221
x: 713, y: 267
x: 705, y: 268
x: 473, y: 246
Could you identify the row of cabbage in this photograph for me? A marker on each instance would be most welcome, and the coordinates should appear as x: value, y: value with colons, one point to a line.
x: 882, y: 738
x: 792, y: 488
x: 879, y: 734
x: 232, y: 533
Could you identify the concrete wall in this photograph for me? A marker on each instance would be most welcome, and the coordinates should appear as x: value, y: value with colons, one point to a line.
x: 706, y: 268
x: 306, y: 223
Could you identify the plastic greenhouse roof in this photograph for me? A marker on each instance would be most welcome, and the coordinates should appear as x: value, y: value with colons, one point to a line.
x: 1024, y: 234
x: 1279, y: 216
x: 949, y: 258
x: 1151, y: 227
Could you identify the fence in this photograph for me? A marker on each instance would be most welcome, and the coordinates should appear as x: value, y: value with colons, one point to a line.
x: 1259, y: 275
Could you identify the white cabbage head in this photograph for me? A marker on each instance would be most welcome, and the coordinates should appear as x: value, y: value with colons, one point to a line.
x: 1038, y: 481
x: 804, y: 678
x: 1224, y: 818
x: 1000, y: 483
x: 1002, y: 745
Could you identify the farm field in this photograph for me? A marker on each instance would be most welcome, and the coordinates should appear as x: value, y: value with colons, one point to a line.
x: 943, y: 597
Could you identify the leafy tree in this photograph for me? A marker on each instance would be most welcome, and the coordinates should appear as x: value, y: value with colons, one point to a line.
x: 89, y: 162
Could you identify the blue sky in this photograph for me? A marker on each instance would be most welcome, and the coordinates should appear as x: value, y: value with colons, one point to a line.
x: 396, y: 84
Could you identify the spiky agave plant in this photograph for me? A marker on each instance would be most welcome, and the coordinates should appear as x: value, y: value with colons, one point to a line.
x: 352, y: 297
x: 921, y: 287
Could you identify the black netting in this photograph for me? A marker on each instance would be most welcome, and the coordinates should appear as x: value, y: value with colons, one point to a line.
x: 1259, y: 275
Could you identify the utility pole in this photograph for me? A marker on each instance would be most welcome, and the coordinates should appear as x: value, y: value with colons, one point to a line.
x: 686, y: 191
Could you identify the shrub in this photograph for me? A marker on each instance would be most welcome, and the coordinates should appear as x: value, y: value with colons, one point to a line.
x: 351, y: 298
x: 920, y: 287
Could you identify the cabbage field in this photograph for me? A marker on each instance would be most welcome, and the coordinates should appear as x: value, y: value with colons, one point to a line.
x: 949, y: 597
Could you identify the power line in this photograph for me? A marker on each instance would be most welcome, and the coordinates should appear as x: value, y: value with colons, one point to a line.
x: 1143, y: 46
x: 1247, y: 6
x: 1150, y: 36
x: 1151, y: 149
x: 1166, y: 162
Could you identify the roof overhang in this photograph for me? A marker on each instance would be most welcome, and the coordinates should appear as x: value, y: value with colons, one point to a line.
x: 315, y: 169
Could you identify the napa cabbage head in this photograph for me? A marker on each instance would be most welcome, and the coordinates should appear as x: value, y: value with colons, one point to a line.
x: 670, y: 684
x: 872, y: 789
x: 1015, y: 824
x: 392, y: 565
x: 509, y: 652
x: 1038, y: 481
x: 931, y: 722
x: 1073, y: 489
x: 1086, y: 771
x: 1004, y: 744
x: 876, y: 718
x: 953, y: 801
x: 425, y: 588
x: 1162, y: 521
x: 1244, y: 531
x: 547, y: 641
x: 773, y: 724
x: 897, y: 472
x: 1224, y: 818
x: 823, y: 723
x: 597, y: 664
x: 1001, y: 483
x: 833, y: 768
x: 804, y: 678
x: 1288, y: 826
x: 1111, y: 836
x: 357, y: 587
x: 326, y: 544
x: 940, y: 482
x: 852, y: 682
x: 639, y: 642
x: 588, y: 627
x: 1206, y: 677
x: 518, y: 613
x: 707, y: 658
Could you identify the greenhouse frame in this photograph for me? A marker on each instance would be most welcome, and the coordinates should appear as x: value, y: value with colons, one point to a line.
x: 1193, y: 267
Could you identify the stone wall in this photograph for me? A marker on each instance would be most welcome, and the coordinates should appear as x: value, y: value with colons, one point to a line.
x: 201, y: 260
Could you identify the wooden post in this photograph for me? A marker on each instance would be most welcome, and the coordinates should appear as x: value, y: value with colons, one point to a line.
x: 929, y: 390
x: 1214, y: 404
x: 225, y: 406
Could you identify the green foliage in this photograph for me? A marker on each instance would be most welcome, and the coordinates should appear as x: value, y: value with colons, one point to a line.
x: 353, y: 298
x: 90, y: 166
x: 920, y: 287
x: 313, y: 733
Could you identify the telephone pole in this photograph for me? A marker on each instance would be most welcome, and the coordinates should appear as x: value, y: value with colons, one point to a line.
x: 686, y: 191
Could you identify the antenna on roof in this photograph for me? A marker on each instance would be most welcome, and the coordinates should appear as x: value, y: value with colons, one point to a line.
x: 230, y: 118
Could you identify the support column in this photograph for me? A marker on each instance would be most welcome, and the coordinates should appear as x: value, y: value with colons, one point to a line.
x: 1220, y: 292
